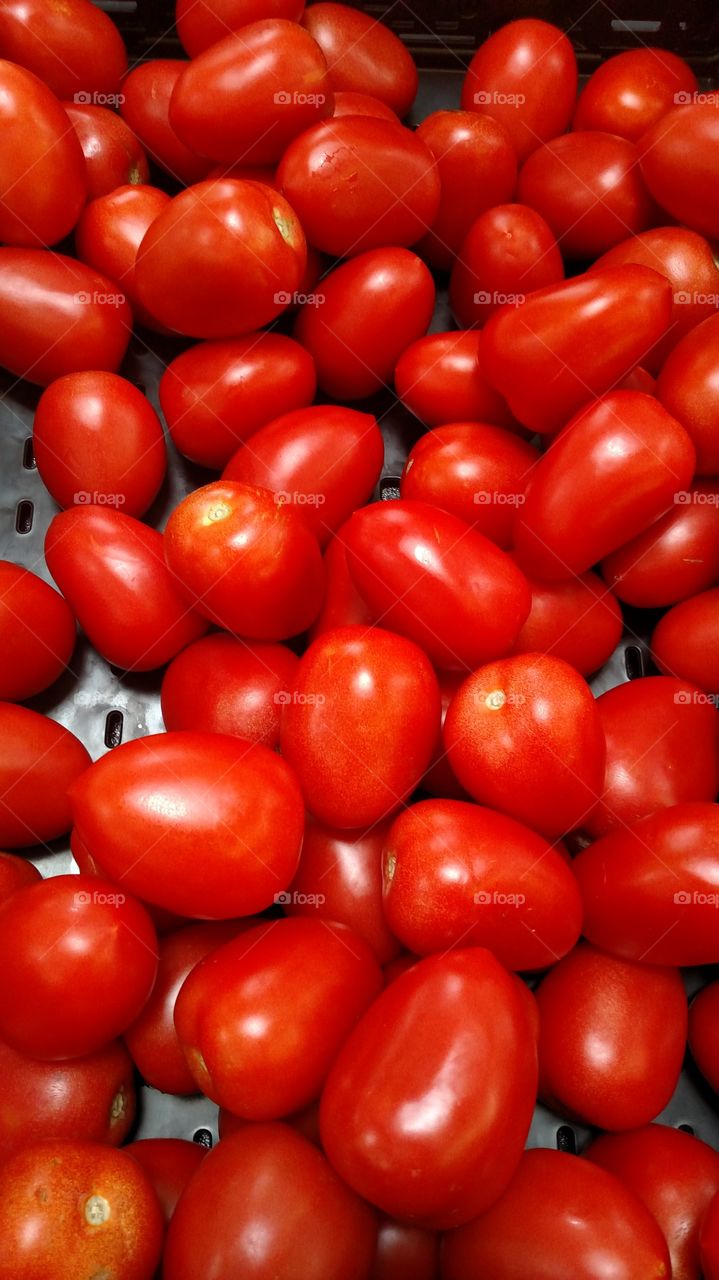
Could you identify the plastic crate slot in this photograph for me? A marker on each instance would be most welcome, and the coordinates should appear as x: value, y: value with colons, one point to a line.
x: 203, y: 1138
x: 566, y: 1139
x: 114, y: 723
x: 28, y: 455
x: 388, y: 488
x: 24, y: 515
x: 633, y: 662
x: 635, y: 25
x: 687, y: 1128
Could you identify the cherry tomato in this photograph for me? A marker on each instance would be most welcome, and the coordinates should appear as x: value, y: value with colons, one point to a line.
x: 362, y: 104
x: 37, y: 633
x: 363, y: 54
x: 704, y: 1033
x: 15, y: 873
x: 578, y: 620
x: 40, y: 760
x: 201, y: 23
x: 439, y: 379
x: 688, y: 387
x: 685, y: 642
x: 109, y: 234
x: 508, y: 252
x: 676, y: 557
x: 169, y: 1164
x: 673, y: 160
x: 343, y: 606
x: 145, y: 106
x: 74, y: 48
x: 632, y: 91
x: 113, y: 155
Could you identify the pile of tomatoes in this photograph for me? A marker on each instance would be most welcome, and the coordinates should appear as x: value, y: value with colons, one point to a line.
x: 393, y: 873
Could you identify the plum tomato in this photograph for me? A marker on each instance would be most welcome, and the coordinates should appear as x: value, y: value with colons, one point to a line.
x: 37, y: 633
x: 39, y: 761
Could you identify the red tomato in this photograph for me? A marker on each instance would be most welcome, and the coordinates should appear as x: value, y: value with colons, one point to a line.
x: 264, y: 1202
x: 382, y: 1124
x: 43, y: 184
x: 249, y: 563
x: 523, y: 735
x: 306, y: 1122
x: 574, y: 1220
x: 362, y: 104
x: 58, y: 316
x: 164, y: 921
x: 630, y: 455
x: 405, y: 1252
x: 90, y: 1098
x: 525, y: 76
x: 73, y: 47
x: 363, y: 54
x: 145, y: 106
x: 362, y: 724
x: 221, y: 259
x: 676, y: 557
x: 685, y: 642
x: 709, y: 1241
x: 459, y: 874
x: 109, y: 233
x: 439, y: 379
x: 359, y: 183
x: 79, y: 961
x: 573, y: 341
x: 216, y: 394
x: 704, y: 1033
x: 83, y: 458
x: 476, y: 472
x: 508, y: 252
x: 246, y: 97
x: 440, y: 779
x: 112, y: 571
x: 632, y: 91
x: 113, y: 155
x: 343, y: 606
x: 15, y: 873
x: 674, y: 164
x: 180, y: 793
x: 612, y: 1036
x: 372, y: 308
x: 688, y: 387
x: 324, y: 462
x: 638, y: 380
x: 169, y: 1164
x: 223, y: 685
x: 37, y: 633
x: 40, y: 759
x: 578, y: 620
x: 201, y: 23
x: 71, y: 1209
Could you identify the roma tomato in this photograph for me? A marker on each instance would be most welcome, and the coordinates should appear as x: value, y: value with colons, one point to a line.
x: 440, y: 779
x: 111, y: 569
x: 169, y: 1164
x: 625, y: 454
x: 672, y: 157
x: 109, y: 234
x: 523, y: 735
x: 688, y: 387
x: 508, y: 252
x: 439, y: 379
x: 180, y: 792
x: 373, y: 308
x: 37, y: 633
x: 632, y: 91
x: 704, y: 1033
x: 362, y: 724
x: 201, y: 23
x: 16, y: 873
x: 380, y: 1124
x: 578, y: 620
x: 685, y: 642
x: 145, y: 106
x: 113, y: 155
x: 216, y: 394
x: 676, y: 557
x: 343, y: 606
x: 74, y: 48
x: 362, y: 104
x: 40, y: 760
x: 363, y: 54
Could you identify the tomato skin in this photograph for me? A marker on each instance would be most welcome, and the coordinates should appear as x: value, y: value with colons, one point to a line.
x: 574, y: 1220
x: 363, y: 54
x: 444, y: 1170
x: 113, y: 155
x: 673, y: 161
x: 15, y: 873
x: 525, y: 76
x: 145, y: 107
x: 374, y: 307
x: 703, y: 1029
x: 359, y: 183
x: 110, y: 568
x: 343, y: 606
x: 523, y: 735
x: 362, y: 726
x: 508, y: 252
x: 431, y: 577
x: 37, y: 633
x: 687, y: 387
x: 631, y: 455
x: 684, y: 642
x: 440, y: 779
x: 459, y: 874
x: 709, y: 1241
x: 578, y: 620
x: 169, y: 1164
x: 362, y: 104
x: 74, y: 48
x: 40, y: 760
x: 330, y: 456
x: 405, y: 1252
x: 109, y: 233
x: 201, y: 24
x: 631, y: 91
x: 675, y: 558
x: 164, y: 921
x: 439, y: 379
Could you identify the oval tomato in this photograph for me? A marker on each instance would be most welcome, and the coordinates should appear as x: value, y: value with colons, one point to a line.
x: 74, y: 48
x: 113, y: 155
x: 169, y: 1164
x: 672, y: 158
x: 440, y: 779
x: 688, y: 387
x: 439, y: 379
x: 685, y: 642
x: 109, y: 234
x: 40, y: 761
x: 343, y: 606
x: 37, y: 633
x: 145, y: 106
x: 632, y: 91
x: 15, y: 873
x: 508, y: 252
x: 676, y: 557
x: 362, y: 104
x: 363, y: 54
x: 578, y: 620
x: 704, y: 1033
x: 201, y: 23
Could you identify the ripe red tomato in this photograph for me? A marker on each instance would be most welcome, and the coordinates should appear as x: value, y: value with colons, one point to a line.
x: 164, y: 921
x: 169, y: 1164
x: 525, y: 76
x: 109, y: 234
x: 362, y: 724
x: 74, y: 48
x: 113, y: 155
x: 79, y: 960
x: 201, y: 23
x: 37, y: 633
x: 180, y: 792
x: 343, y: 606
x: 704, y: 1033
x: 523, y: 735
x: 440, y: 779
x: 673, y: 161
x: 70, y: 1209
x: 405, y: 1252
x: 676, y: 557
x: 145, y: 106
x: 382, y: 1123
x: 362, y: 104
x: 685, y: 642
x: 39, y: 760
x: 363, y: 54
x: 15, y: 873
x: 709, y: 1241
x: 439, y: 379
x: 368, y: 313
x: 688, y: 387
x: 632, y: 91
x: 508, y: 252
x: 632, y: 456
x: 578, y: 620
x: 112, y: 571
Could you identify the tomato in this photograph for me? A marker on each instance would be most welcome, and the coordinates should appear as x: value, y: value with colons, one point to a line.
x: 674, y: 1174
x: 343, y: 606
x: 113, y: 155
x: 380, y: 1121
x: 709, y: 1241
x: 362, y: 724
x: 79, y: 961
x: 405, y: 1252
x: 37, y: 633
x: 40, y: 759
x: 508, y: 252
x: 703, y: 1029
x: 632, y: 91
x: 324, y: 462
x: 246, y: 97
x: 573, y: 341
x: 109, y: 233
x: 145, y: 106
x: 15, y: 873
x: 439, y: 378
x: 440, y: 779
x: 578, y: 620
x: 58, y: 316
x: 220, y: 260
x: 476, y: 472
x: 673, y: 156
x: 650, y: 891
x: 525, y: 76
x: 201, y: 23
x: 151, y: 1038
x: 629, y: 457
x: 688, y: 387
x: 363, y: 54
x: 340, y: 878
x: 164, y: 921
x: 264, y: 1203
x: 216, y: 394
x: 372, y: 308
x: 246, y: 559
x: 306, y: 1122
x: 111, y: 569
x: 223, y: 685
x: 169, y: 1164
x: 71, y: 1209
x: 362, y: 104
x: 676, y: 557
x: 574, y: 1220
x: 90, y: 1098
x: 433, y: 578
x: 638, y: 380
x: 74, y: 48
x: 459, y: 874
x: 359, y: 183
x: 83, y: 458
x: 684, y: 642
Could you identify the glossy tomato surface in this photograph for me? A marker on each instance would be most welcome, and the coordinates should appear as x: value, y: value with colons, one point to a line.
x: 201, y: 24
x: 15, y: 873
x: 632, y: 91
x: 109, y: 233
x: 688, y: 389
x: 169, y: 1164
x: 439, y: 378
x: 577, y: 620
x: 74, y: 48
x: 37, y: 633
x: 113, y: 155
x: 684, y: 642
x: 508, y: 251
x: 39, y: 761
x: 145, y: 106
x: 673, y: 164
x: 676, y: 557
x: 362, y: 53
